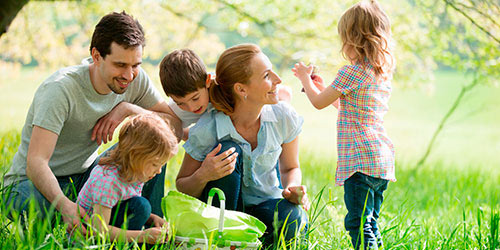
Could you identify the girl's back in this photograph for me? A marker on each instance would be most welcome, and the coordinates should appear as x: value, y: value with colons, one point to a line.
x: 363, y: 145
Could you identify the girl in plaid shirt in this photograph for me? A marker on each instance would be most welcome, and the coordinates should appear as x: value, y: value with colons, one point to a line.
x: 112, y: 193
x: 365, y: 152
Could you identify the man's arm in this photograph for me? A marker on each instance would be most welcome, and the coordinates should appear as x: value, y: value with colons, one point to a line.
x: 41, y: 147
x: 106, y: 125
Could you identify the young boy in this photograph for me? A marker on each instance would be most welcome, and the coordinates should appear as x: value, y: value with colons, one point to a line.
x: 185, y: 80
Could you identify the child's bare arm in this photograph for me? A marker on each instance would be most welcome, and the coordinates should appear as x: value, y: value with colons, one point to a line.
x: 319, y: 99
x: 100, y: 221
x: 318, y: 83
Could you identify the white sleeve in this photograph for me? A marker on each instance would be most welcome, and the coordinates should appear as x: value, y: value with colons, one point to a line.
x: 186, y: 117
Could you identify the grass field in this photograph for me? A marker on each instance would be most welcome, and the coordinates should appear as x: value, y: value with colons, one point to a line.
x: 452, y: 202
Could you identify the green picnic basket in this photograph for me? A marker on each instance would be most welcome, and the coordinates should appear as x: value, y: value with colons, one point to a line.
x: 197, y: 225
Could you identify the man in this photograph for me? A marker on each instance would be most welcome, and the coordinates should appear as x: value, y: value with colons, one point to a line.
x: 73, y: 111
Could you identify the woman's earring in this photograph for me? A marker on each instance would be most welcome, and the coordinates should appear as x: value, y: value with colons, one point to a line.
x: 245, y: 97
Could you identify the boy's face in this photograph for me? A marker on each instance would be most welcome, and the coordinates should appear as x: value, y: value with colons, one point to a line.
x: 194, y: 102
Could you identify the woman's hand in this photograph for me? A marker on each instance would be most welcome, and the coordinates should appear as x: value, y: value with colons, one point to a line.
x: 297, y: 195
x: 216, y: 166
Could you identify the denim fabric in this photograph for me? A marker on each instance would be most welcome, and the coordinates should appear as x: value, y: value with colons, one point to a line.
x: 295, y: 216
x: 136, y: 210
x: 279, y: 124
x: 230, y: 184
x: 364, y: 193
x: 21, y: 193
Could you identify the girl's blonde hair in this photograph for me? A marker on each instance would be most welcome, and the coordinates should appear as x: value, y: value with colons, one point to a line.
x: 365, y: 31
x: 144, y: 139
x: 233, y: 66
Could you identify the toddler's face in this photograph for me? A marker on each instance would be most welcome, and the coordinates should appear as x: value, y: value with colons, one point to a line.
x: 151, y: 170
x: 195, y: 102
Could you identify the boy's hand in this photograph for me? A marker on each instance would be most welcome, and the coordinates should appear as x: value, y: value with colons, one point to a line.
x: 216, y: 166
x: 297, y: 195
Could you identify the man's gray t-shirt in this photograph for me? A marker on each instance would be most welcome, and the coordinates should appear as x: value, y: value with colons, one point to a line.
x: 68, y: 105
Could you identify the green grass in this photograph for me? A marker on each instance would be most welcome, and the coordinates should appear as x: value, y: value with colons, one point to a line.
x: 433, y: 207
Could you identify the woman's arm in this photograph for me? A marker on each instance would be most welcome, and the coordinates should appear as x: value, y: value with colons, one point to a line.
x: 291, y: 176
x: 194, y: 175
x: 100, y: 221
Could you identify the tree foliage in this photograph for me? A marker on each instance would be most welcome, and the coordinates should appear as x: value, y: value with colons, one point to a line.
x: 463, y: 35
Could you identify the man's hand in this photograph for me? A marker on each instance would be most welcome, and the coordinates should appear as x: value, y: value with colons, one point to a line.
x: 72, y: 216
x: 297, y: 195
x: 216, y: 166
x: 106, y: 125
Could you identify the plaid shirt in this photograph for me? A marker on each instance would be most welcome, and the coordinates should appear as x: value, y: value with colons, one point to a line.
x: 362, y: 143
x: 104, y: 187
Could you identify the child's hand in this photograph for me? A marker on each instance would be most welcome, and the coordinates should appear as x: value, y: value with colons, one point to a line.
x: 302, y: 71
x: 216, y: 166
x: 153, y: 235
x: 318, y: 81
x: 297, y: 195
x: 155, y: 221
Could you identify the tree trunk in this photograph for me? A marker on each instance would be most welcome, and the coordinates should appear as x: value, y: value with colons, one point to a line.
x: 8, y: 11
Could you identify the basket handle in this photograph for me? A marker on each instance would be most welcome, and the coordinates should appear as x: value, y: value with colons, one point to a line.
x: 222, y: 200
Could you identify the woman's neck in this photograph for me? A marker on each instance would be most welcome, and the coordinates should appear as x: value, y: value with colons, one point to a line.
x: 245, y: 116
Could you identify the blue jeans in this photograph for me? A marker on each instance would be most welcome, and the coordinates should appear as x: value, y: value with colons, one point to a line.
x: 231, y: 185
x: 136, y: 210
x: 294, y: 215
x: 364, y: 193
x: 21, y: 193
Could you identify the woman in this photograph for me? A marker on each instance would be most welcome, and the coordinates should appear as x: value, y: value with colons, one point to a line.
x: 249, y: 120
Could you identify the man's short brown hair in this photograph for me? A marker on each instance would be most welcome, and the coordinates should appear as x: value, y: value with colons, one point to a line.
x: 182, y: 72
x: 120, y: 28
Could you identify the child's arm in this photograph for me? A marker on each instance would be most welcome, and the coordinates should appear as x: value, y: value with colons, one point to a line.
x: 185, y: 131
x: 318, y: 83
x: 319, y: 99
x: 100, y: 221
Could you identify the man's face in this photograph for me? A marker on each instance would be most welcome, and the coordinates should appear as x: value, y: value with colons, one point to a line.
x: 119, y: 68
x: 195, y: 102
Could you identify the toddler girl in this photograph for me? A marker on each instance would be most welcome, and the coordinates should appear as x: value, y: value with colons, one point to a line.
x: 112, y: 194
x: 365, y: 152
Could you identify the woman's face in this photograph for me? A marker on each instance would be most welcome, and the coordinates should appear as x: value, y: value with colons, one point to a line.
x: 262, y: 88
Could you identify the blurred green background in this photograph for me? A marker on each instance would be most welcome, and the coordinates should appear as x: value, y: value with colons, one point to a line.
x: 439, y: 50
